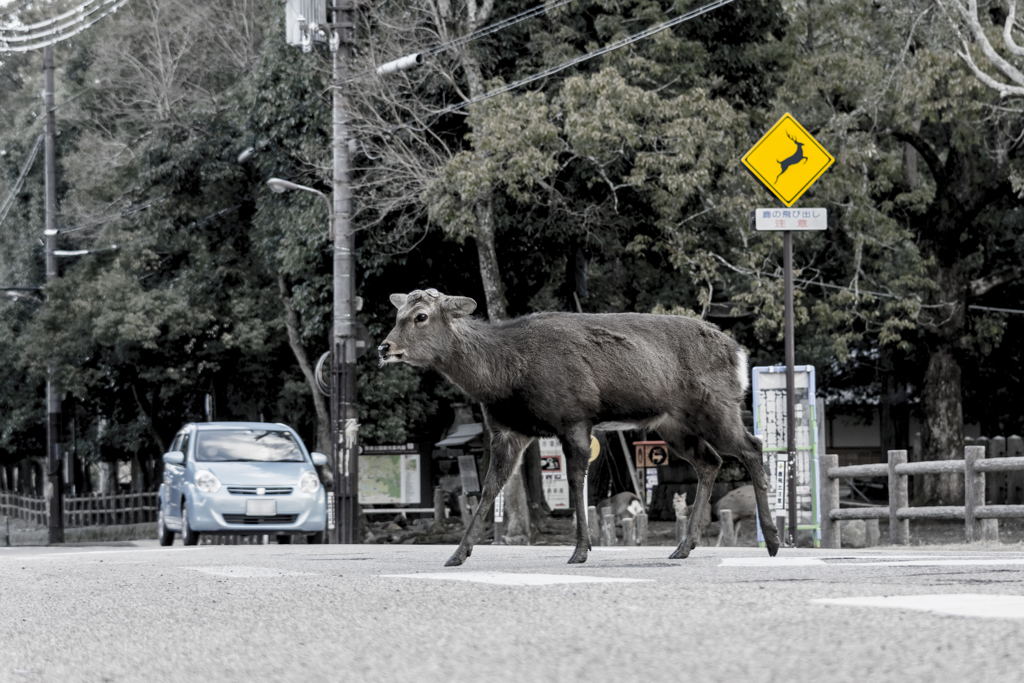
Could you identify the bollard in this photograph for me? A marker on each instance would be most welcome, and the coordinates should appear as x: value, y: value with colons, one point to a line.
x: 990, y: 530
x: 727, y: 532
x: 641, y: 529
x: 974, y: 492
x: 899, y: 530
x: 464, y: 510
x: 628, y: 531
x: 871, y: 533
x: 829, y: 501
x: 608, y: 528
x: 680, y: 528
x: 439, y: 505
x: 593, y: 525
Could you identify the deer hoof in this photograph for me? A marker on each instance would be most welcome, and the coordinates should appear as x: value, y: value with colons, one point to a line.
x: 578, y: 557
x: 455, y: 560
x: 683, y: 551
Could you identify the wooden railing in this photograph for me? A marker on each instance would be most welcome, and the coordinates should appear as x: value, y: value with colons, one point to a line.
x: 29, y: 508
x: 981, y: 522
x: 80, y: 511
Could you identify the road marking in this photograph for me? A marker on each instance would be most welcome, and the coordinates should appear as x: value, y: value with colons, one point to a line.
x: 247, y: 572
x: 981, y: 606
x: 44, y: 555
x: 771, y: 562
x: 867, y: 561
x: 508, y: 579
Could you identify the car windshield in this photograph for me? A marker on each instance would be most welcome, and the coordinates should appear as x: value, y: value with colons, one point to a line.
x: 247, y: 445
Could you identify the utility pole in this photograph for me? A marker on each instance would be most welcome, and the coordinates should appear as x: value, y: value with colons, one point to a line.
x: 787, y: 265
x: 54, y: 483
x: 344, y: 414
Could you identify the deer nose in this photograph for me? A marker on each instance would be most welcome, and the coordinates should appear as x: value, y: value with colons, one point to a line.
x: 382, y: 350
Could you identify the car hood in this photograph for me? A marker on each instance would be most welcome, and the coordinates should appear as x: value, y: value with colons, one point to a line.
x: 256, y: 473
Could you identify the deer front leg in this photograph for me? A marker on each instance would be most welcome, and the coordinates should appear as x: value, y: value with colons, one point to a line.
x: 506, y: 450
x: 576, y: 446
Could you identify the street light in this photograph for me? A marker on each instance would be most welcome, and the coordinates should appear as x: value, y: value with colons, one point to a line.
x: 279, y: 186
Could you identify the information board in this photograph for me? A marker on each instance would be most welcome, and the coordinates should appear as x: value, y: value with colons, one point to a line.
x: 769, y: 392
x: 556, y: 483
x: 389, y: 478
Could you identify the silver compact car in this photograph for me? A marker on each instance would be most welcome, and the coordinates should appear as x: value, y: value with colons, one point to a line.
x: 240, y: 478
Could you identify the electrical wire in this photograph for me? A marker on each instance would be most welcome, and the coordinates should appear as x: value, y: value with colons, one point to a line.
x: 61, y: 32
x: 692, y: 14
x: 9, y: 202
x: 498, y: 26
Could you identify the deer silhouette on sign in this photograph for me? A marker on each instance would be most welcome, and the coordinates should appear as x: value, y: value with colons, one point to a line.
x: 794, y: 158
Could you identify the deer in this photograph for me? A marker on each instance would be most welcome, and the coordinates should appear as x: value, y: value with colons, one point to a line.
x: 790, y: 160
x: 566, y: 374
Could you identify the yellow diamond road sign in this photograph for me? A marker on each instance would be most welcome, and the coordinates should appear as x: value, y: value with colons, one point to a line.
x: 787, y: 160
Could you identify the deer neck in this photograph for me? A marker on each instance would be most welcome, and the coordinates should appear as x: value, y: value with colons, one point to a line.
x: 481, y: 363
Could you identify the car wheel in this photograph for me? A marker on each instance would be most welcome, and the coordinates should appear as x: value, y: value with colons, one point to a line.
x: 315, y: 539
x: 163, y: 534
x: 284, y: 539
x: 188, y: 536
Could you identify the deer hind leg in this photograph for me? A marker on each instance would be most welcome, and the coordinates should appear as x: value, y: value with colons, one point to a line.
x: 506, y: 451
x: 706, y: 461
x: 751, y: 457
x: 736, y: 440
x: 576, y: 445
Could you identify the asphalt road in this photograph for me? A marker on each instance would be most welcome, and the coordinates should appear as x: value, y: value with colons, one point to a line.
x: 394, y: 613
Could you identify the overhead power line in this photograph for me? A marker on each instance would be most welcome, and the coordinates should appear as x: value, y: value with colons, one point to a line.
x: 497, y: 26
x: 618, y: 44
x: 9, y: 202
x: 61, y: 27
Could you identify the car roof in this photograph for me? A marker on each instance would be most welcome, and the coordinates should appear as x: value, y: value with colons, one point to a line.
x: 203, y: 426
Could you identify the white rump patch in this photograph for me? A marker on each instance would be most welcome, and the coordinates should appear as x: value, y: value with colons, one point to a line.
x: 507, y: 579
x: 982, y: 606
x: 635, y: 508
x: 742, y: 370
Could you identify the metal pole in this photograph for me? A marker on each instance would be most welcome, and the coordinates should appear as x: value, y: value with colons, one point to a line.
x: 787, y: 262
x: 54, y: 484
x: 343, y: 392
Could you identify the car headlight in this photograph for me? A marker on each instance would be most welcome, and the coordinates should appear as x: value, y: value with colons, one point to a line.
x: 207, y: 481
x: 309, y: 482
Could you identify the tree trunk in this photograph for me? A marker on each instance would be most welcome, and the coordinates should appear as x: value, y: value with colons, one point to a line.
x: 323, y: 417
x: 944, y: 421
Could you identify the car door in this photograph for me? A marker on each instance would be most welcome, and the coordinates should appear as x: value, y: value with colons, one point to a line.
x: 174, y: 476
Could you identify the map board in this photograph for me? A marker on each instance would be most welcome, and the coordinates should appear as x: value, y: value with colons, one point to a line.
x: 389, y: 478
x: 769, y: 388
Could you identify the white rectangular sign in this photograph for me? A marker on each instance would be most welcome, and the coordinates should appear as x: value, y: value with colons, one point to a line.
x: 790, y: 219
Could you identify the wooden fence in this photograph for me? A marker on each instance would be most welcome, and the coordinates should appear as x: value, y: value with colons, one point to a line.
x: 981, y: 521
x: 121, y: 508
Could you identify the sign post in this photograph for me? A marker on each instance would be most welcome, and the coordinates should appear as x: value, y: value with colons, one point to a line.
x: 787, y: 160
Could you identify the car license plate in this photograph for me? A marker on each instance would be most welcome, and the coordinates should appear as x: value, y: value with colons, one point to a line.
x: 261, y: 508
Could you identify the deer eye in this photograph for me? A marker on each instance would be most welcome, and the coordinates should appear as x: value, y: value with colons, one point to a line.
x: 422, y: 317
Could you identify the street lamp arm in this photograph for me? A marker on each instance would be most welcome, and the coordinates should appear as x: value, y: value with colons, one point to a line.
x: 278, y: 186
x: 83, y: 252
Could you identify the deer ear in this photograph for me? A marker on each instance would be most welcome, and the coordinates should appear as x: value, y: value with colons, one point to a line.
x: 398, y: 300
x: 459, y: 306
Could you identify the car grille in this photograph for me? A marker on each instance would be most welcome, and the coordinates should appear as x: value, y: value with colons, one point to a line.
x: 251, y: 490
x: 269, y: 519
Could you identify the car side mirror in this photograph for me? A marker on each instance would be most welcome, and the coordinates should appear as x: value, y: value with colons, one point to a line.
x: 174, y: 458
x: 319, y: 459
